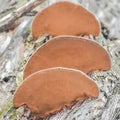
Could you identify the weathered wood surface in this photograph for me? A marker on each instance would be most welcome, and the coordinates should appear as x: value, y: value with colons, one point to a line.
x: 7, y: 22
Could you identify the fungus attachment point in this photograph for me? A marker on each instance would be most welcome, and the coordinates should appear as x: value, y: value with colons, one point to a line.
x: 48, y: 91
x: 65, y: 18
x: 71, y: 52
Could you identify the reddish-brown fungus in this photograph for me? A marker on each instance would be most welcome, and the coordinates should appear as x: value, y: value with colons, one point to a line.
x: 48, y: 91
x: 71, y: 52
x: 65, y: 18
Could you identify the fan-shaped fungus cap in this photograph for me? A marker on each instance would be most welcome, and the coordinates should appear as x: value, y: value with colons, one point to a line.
x: 48, y: 91
x: 65, y: 18
x: 71, y: 52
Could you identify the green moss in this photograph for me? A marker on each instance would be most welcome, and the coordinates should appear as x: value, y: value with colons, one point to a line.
x: 19, y: 78
x: 29, y: 38
x: 13, y: 115
x: 5, y: 109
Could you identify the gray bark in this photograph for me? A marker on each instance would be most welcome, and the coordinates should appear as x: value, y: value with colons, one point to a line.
x: 8, y: 21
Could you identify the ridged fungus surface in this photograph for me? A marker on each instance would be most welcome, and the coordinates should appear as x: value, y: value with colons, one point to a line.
x: 71, y: 52
x: 48, y: 91
x: 65, y: 18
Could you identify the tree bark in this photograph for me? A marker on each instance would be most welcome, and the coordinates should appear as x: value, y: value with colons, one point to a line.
x: 8, y: 21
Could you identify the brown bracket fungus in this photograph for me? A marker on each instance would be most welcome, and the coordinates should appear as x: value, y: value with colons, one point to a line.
x: 65, y: 18
x: 70, y: 52
x: 48, y: 91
